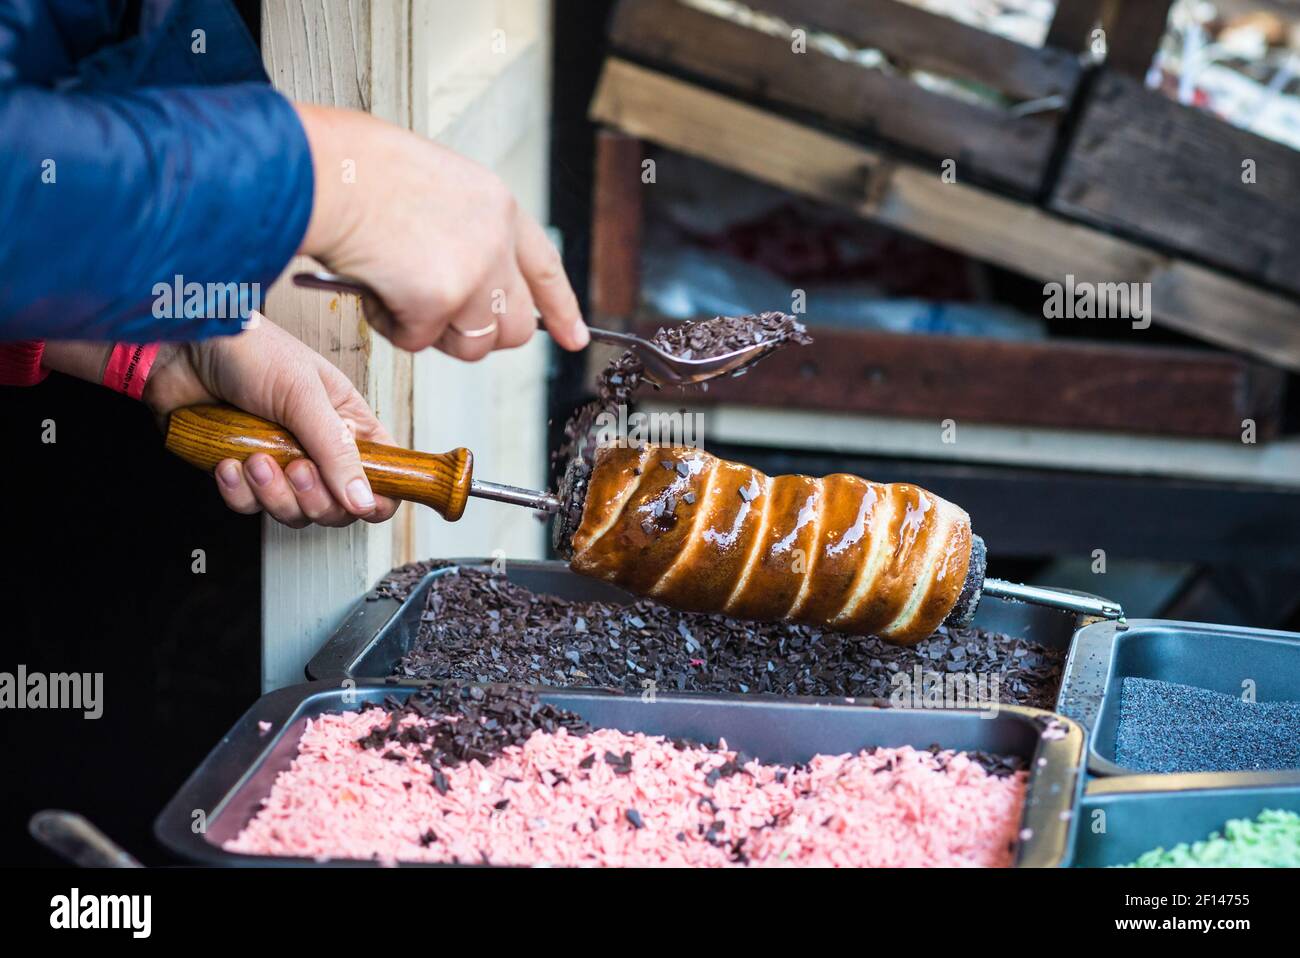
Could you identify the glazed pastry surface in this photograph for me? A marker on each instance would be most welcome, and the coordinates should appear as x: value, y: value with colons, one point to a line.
x: 703, y: 534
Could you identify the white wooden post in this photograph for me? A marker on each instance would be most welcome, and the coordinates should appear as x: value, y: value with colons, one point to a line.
x: 475, y: 77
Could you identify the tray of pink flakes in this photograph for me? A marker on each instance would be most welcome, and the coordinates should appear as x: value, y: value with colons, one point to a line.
x: 458, y: 774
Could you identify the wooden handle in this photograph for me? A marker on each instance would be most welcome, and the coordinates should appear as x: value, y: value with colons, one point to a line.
x: 205, y: 435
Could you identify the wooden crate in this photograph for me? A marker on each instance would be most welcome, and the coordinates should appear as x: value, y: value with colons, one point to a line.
x: 990, y: 144
x: 1056, y: 383
x: 1185, y: 295
x: 1170, y: 175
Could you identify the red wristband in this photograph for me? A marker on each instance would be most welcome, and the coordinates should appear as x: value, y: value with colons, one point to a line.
x: 20, y: 363
x: 128, y: 368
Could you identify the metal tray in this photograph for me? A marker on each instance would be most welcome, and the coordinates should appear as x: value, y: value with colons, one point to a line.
x: 379, y: 631
x: 237, y: 775
x: 1214, y: 657
x: 1159, y: 811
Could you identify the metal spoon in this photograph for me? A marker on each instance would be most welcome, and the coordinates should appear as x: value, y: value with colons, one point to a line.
x: 661, y: 367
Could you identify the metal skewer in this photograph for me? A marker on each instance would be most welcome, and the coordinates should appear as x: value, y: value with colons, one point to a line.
x: 515, y: 495
x: 1066, y: 599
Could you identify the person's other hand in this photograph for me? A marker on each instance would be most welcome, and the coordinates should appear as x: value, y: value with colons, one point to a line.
x: 268, y: 372
x: 437, y: 236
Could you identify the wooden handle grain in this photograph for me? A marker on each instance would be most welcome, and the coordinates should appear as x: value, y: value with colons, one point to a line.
x: 205, y: 435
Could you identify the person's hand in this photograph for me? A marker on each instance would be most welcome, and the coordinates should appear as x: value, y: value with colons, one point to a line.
x: 439, y: 238
x: 267, y: 372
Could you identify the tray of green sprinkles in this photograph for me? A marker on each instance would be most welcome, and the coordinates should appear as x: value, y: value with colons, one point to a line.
x: 1191, y: 820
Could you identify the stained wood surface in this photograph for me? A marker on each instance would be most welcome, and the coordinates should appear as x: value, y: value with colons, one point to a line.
x: 1134, y: 29
x: 1067, y: 384
x: 1152, y: 168
x: 616, y: 228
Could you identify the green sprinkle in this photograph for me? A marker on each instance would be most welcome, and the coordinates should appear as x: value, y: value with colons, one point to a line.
x: 1270, y: 841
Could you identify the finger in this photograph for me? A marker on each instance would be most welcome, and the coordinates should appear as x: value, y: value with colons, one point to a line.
x: 350, y: 404
x: 273, y: 491
x: 543, y: 270
x: 473, y: 331
x: 385, y: 509
x: 234, y: 487
x: 329, y: 443
x: 520, y: 321
x: 314, y: 498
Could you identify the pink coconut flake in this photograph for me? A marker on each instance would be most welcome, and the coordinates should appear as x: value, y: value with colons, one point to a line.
x: 558, y: 800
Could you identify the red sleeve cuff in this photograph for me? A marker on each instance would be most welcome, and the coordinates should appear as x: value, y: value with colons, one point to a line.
x: 20, y: 363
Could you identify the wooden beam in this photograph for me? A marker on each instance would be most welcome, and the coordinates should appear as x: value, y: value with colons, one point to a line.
x: 1062, y: 383
x: 987, y: 142
x: 616, y: 228
x: 1073, y: 23
x: 1134, y: 29
x: 1274, y: 464
x: 481, y: 78
x: 915, y: 39
x: 1184, y: 296
x: 1182, y: 178
x: 348, y: 55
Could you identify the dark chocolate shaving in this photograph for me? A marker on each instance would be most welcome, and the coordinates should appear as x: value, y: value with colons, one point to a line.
x: 481, y: 627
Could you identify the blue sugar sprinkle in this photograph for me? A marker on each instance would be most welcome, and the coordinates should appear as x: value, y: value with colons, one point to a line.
x: 1165, y: 727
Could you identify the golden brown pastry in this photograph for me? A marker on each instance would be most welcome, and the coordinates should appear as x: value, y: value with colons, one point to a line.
x: 703, y: 534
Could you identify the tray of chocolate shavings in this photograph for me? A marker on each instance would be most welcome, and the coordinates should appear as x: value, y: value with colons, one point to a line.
x: 538, y: 623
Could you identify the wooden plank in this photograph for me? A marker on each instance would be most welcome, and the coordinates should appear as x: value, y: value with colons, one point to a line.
x: 322, y: 53
x: 1275, y: 464
x: 988, y: 144
x: 1075, y: 385
x: 913, y: 38
x: 1134, y: 29
x: 1184, y: 296
x: 1155, y: 169
x: 616, y: 228
x: 436, y: 67
x: 1073, y: 23
x: 486, y: 94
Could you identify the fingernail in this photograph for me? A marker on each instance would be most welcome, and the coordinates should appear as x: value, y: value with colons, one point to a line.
x: 259, y: 470
x: 302, y: 478
x: 228, y: 473
x: 360, y: 495
x: 581, y: 335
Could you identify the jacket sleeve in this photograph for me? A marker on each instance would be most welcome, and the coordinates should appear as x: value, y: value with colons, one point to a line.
x: 116, y: 202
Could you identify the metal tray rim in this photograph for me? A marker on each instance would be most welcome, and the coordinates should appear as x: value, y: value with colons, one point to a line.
x: 372, y: 615
x: 1102, y: 636
x: 1181, y: 782
x: 1063, y: 757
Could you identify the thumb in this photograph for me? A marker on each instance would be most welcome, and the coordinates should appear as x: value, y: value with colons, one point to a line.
x: 329, y: 442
